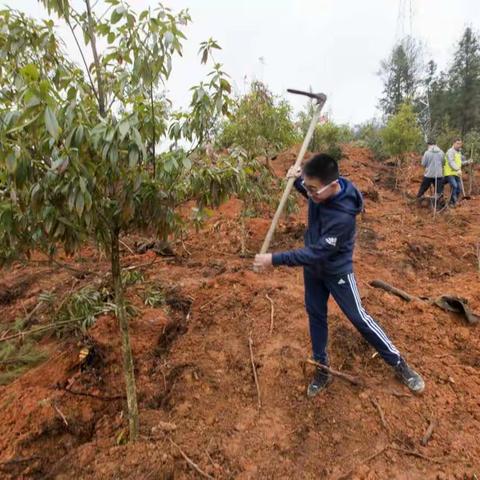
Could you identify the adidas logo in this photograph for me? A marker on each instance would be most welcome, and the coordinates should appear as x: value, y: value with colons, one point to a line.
x: 331, y: 241
x: 341, y: 281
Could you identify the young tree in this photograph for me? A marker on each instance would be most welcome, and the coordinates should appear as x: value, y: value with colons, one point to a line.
x: 472, y: 150
x: 210, y: 103
x: 327, y: 136
x: 402, y: 135
x: 78, y: 144
x: 260, y: 124
x: 401, y: 74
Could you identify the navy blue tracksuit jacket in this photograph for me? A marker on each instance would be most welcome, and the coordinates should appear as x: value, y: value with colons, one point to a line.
x: 327, y: 258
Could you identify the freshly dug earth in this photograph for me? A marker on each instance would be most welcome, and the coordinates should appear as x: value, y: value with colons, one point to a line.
x: 196, y: 389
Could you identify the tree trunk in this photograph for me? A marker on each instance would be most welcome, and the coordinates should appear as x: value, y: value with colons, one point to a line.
x: 126, y: 347
x: 397, y: 172
x: 243, y: 234
x: 154, y: 134
x: 470, y: 173
x: 96, y: 59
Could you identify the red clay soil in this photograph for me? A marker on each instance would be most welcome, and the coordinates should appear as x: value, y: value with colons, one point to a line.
x: 196, y: 390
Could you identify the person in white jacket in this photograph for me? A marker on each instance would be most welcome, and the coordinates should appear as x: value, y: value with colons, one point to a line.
x: 432, y: 160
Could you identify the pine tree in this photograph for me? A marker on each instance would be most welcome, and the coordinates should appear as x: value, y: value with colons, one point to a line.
x: 464, y: 83
x: 401, y: 75
x: 439, y: 98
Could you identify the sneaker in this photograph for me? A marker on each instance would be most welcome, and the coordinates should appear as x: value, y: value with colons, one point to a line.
x: 320, y: 381
x: 409, y: 377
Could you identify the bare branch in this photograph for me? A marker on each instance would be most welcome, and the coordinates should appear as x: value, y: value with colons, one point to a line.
x: 83, y: 59
x: 255, y: 376
x: 349, y: 378
x: 272, y: 312
x: 191, y: 462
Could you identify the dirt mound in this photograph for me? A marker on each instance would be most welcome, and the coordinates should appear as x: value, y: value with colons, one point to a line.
x: 196, y: 390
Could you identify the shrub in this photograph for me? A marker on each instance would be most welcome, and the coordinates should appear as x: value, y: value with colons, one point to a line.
x: 369, y: 135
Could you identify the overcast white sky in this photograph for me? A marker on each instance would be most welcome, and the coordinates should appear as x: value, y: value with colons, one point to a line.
x: 334, y: 46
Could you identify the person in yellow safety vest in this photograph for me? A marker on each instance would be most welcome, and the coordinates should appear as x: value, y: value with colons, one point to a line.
x: 452, y: 170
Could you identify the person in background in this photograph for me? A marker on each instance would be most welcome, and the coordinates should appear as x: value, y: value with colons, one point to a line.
x: 452, y: 170
x: 433, y: 162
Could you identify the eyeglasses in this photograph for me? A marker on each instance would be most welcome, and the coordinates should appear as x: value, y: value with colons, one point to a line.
x: 311, y: 191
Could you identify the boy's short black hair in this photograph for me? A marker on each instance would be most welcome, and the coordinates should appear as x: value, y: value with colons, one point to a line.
x: 323, y: 167
x: 431, y: 141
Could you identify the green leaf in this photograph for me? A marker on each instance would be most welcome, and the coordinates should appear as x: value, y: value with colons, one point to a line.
x: 115, y: 18
x: 51, y: 123
x: 138, y: 140
x: 9, y: 118
x: 79, y: 204
x: 153, y: 25
x: 68, y: 140
x: 59, y: 230
x: 110, y: 134
x: 113, y: 155
x: 133, y: 156
x: 11, y: 162
x: 72, y: 93
x: 31, y: 100
x: 21, y: 172
x: 36, y: 197
x: 88, y: 200
x: 48, y: 224
x: 224, y: 85
x: 105, y: 150
x: 28, y: 122
x: 83, y: 184
x: 78, y: 138
x: 30, y: 72
x: 123, y: 129
x: 71, y: 199
x: 219, y: 104
x: 111, y: 37
x: 117, y: 14
x: 187, y: 163
x: 86, y: 37
x: 168, y: 38
x: 44, y: 87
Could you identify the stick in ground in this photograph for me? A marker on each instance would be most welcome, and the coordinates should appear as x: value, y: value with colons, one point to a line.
x: 349, y: 378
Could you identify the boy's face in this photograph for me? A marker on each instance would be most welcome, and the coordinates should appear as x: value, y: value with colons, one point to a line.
x: 318, y: 191
x: 457, y: 145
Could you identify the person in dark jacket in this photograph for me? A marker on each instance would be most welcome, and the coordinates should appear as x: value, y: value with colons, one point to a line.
x: 327, y: 260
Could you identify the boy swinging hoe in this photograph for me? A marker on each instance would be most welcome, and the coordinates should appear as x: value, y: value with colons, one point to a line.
x: 326, y: 258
